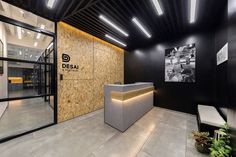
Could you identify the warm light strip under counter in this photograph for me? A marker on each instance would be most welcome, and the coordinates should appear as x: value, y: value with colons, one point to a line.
x: 124, y: 96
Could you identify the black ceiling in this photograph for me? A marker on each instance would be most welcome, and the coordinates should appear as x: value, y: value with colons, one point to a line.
x: 83, y: 14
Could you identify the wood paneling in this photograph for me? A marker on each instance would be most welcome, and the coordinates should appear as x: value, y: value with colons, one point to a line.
x: 100, y: 63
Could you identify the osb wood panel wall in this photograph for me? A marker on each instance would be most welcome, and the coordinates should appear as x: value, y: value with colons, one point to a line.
x: 100, y: 63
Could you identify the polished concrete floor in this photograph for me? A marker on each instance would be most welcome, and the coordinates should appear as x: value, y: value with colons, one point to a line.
x: 25, y: 115
x: 22, y: 93
x: 160, y: 133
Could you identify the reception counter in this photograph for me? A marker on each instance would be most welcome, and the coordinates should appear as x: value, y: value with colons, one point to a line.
x: 125, y: 104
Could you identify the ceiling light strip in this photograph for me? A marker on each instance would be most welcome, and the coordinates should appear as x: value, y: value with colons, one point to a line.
x: 35, y: 44
x: 109, y: 22
x: 38, y: 35
x: 157, y: 7
x: 51, y: 3
x: 115, y: 40
x: 193, y: 10
x: 141, y: 27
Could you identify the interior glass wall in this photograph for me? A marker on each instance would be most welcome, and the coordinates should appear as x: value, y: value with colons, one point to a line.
x: 19, y: 14
x: 27, y: 73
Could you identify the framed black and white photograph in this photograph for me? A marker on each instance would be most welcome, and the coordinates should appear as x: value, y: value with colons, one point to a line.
x: 1, y: 55
x: 180, y: 64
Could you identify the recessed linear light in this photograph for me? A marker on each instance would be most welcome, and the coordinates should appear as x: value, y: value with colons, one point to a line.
x: 157, y: 7
x: 103, y: 18
x: 116, y: 40
x: 193, y: 4
x: 35, y: 44
x: 140, y: 26
x: 19, y: 33
x: 51, y: 3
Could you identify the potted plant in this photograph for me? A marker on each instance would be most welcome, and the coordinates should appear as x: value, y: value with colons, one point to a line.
x: 203, y: 141
x: 221, y: 145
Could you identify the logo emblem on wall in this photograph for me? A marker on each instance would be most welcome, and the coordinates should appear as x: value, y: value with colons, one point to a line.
x: 65, y: 63
x: 65, y: 57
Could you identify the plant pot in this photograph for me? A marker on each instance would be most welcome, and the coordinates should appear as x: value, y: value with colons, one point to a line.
x: 202, y: 148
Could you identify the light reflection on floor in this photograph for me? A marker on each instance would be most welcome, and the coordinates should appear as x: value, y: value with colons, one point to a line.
x: 24, y: 115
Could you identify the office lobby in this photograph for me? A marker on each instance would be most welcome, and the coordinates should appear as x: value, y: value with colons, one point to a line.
x: 117, y: 78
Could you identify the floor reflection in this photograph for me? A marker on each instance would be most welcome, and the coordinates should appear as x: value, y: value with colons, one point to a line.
x: 24, y: 115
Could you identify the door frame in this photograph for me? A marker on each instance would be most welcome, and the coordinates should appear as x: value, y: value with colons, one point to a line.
x: 14, y: 22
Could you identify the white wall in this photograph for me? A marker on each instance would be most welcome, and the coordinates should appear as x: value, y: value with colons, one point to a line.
x: 29, y: 42
x: 3, y: 78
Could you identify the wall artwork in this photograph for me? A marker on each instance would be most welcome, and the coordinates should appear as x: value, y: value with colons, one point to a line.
x: 1, y: 55
x: 180, y: 64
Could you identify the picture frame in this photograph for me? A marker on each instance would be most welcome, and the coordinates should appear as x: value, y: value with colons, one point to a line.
x: 180, y: 63
x: 1, y: 55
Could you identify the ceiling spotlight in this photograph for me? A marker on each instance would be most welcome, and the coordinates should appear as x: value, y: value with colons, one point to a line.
x: 35, y: 44
x: 115, y: 40
x: 157, y: 7
x: 42, y: 26
x: 193, y: 4
x: 141, y: 27
x: 19, y: 33
x: 22, y: 12
x: 105, y: 19
x: 51, y: 4
x: 38, y: 36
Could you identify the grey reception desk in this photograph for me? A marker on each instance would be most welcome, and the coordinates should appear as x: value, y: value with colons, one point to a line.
x: 125, y: 104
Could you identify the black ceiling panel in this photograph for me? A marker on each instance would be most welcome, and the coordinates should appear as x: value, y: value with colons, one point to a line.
x: 83, y: 14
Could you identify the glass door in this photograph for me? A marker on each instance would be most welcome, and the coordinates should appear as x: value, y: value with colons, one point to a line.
x: 27, y: 75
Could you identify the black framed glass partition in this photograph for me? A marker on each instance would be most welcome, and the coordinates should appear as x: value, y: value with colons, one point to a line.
x: 28, y: 84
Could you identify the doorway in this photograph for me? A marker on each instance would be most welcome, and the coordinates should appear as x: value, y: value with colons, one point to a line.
x: 27, y: 74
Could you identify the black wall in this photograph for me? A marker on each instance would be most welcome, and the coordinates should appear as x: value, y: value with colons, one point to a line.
x: 149, y: 65
x: 231, y: 70
x: 221, y: 38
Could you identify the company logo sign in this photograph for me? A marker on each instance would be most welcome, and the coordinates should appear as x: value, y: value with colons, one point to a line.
x: 65, y: 57
x: 66, y: 66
